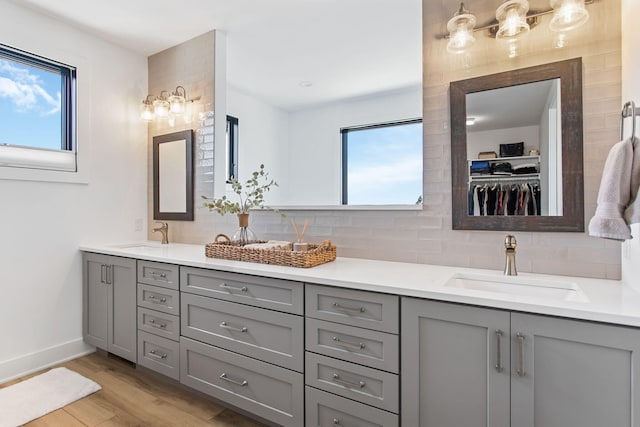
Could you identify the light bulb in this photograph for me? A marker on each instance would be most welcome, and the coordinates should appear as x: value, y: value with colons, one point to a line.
x: 568, y: 15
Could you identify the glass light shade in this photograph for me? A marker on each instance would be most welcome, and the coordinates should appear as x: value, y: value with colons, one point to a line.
x: 568, y: 15
x: 512, y: 19
x: 460, y: 29
x: 177, y: 104
x: 161, y: 108
x: 147, y: 113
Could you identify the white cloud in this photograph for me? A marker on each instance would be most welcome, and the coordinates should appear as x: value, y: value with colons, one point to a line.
x: 25, y: 92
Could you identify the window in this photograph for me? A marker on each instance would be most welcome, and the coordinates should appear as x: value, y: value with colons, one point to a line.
x: 382, y: 164
x: 232, y: 148
x: 37, y: 107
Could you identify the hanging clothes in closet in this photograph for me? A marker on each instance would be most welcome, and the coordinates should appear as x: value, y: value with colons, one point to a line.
x: 491, y: 199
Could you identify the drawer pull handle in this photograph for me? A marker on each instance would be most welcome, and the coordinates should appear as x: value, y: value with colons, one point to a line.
x: 337, y: 379
x: 520, y: 371
x: 160, y: 275
x: 347, y: 344
x: 346, y: 308
x: 233, y: 328
x: 153, y: 353
x: 154, y: 299
x: 242, y: 383
x: 157, y: 325
x: 233, y: 288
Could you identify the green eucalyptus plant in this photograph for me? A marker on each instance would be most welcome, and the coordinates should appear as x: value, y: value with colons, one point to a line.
x: 250, y: 194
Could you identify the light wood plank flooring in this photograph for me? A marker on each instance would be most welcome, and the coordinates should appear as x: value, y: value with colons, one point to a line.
x: 131, y: 397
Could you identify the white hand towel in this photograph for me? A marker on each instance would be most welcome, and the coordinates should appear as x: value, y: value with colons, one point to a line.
x: 614, y: 194
x: 632, y: 213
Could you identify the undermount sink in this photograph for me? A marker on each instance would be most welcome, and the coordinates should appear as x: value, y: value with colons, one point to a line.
x: 517, y: 285
x: 141, y: 247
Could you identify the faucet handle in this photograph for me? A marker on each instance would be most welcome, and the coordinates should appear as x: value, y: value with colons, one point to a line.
x: 163, y: 224
x: 510, y: 242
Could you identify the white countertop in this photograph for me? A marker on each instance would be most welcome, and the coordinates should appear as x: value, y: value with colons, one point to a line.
x: 593, y: 299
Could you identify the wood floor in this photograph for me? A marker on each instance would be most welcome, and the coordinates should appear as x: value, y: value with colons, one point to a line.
x: 131, y: 397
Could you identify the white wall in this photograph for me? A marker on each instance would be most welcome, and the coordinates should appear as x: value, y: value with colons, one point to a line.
x: 631, y: 92
x: 42, y: 223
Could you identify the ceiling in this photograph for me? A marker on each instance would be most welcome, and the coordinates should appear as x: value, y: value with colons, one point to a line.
x: 343, y: 48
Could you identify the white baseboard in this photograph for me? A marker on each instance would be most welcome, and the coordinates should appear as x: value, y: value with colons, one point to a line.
x: 36, y: 361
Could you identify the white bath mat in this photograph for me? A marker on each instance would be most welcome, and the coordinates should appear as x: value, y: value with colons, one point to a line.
x: 37, y: 396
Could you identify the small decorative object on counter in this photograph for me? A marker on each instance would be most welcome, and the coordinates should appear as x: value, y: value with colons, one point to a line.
x: 275, y: 252
x: 252, y: 197
x: 300, y: 245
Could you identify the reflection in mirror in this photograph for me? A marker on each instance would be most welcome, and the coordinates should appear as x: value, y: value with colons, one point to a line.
x: 519, y: 165
x: 350, y: 64
x: 525, y: 117
x: 173, y: 176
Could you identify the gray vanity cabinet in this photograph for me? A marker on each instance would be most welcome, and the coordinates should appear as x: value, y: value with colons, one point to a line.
x: 449, y: 358
x: 109, y: 304
x: 574, y: 373
x: 469, y: 366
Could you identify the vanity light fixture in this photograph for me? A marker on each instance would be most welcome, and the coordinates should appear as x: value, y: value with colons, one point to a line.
x: 513, y: 19
x: 169, y: 106
x: 460, y: 29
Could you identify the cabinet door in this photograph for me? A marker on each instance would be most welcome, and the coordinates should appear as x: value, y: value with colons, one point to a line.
x: 449, y: 358
x: 123, y: 322
x: 95, y: 300
x: 573, y: 373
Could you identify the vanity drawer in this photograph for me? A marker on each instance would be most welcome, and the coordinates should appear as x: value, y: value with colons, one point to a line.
x: 366, y: 385
x: 268, y: 391
x: 370, y: 348
x: 161, y: 299
x: 159, y: 354
x: 159, y: 323
x: 274, y: 294
x: 352, y: 307
x: 324, y: 409
x: 158, y: 274
x: 263, y: 334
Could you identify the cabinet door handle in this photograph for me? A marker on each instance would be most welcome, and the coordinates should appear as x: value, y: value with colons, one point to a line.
x: 154, y: 299
x: 241, y: 383
x: 157, y: 325
x: 337, y: 379
x: 153, y: 353
x: 103, y: 273
x: 110, y: 274
x: 341, y: 307
x: 336, y: 422
x: 520, y: 371
x: 233, y: 288
x: 347, y: 344
x: 233, y: 328
x: 499, y: 366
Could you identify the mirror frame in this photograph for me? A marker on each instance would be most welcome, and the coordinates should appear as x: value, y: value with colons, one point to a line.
x: 187, y: 136
x: 570, y: 74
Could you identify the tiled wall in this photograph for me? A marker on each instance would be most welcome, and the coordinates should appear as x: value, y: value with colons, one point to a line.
x: 426, y: 236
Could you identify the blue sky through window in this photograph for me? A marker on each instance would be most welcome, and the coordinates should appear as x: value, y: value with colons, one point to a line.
x: 30, y: 107
x: 385, y: 165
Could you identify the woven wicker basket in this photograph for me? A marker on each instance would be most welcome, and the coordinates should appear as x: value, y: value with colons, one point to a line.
x: 222, y: 247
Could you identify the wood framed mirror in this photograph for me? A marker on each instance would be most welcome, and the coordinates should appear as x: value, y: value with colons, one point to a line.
x: 173, y: 176
x: 560, y: 165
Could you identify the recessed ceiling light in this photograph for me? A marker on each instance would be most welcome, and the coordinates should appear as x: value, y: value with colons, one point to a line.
x: 471, y: 121
x: 305, y: 83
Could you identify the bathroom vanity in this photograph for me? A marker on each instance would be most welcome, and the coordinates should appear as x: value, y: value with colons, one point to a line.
x: 371, y: 343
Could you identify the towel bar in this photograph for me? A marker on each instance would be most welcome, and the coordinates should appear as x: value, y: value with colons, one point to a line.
x: 629, y: 110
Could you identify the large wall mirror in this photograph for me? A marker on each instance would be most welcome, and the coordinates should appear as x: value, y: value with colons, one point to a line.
x: 173, y: 176
x: 516, y: 150
x: 349, y: 65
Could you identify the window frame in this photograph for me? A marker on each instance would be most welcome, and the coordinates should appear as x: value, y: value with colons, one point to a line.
x: 344, y: 135
x: 40, y: 158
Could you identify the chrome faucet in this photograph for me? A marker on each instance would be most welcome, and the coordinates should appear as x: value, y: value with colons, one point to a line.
x: 164, y: 229
x: 510, y: 253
